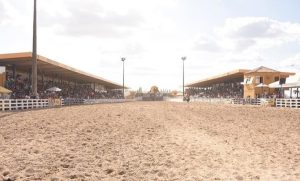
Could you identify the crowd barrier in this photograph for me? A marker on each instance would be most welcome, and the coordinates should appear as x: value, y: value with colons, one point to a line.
x: 259, y: 102
x: 21, y: 104
x: 212, y: 100
x: 70, y: 102
x: 247, y: 101
x: 241, y: 101
x: 101, y: 101
x: 196, y: 99
x: 290, y: 103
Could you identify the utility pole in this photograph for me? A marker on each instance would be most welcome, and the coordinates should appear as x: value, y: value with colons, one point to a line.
x: 34, y: 54
x: 183, y: 59
x: 123, y: 60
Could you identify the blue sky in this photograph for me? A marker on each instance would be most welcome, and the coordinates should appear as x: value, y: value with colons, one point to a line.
x: 215, y: 35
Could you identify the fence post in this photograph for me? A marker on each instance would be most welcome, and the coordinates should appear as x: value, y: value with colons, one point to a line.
x: 2, y: 105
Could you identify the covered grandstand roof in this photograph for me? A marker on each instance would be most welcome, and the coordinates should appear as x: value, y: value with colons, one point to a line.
x: 236, y: 74
x: 23, y: 62
x: 263, y: 69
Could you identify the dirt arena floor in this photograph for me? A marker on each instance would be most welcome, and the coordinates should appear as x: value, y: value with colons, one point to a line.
x: 151, y: 141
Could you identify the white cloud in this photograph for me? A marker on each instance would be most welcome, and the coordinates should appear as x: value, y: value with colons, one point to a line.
x: 291, y: 63
x: 257, y: 33
x: 206, y: 43
x: 89, y: 18
x: 247, y: 42
x: 2, y: 12
x: 252, y: 27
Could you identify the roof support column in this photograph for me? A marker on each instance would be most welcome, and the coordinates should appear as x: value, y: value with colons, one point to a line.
x: 14, y: 75
x: 43, y: 81
x: 14, y: 72
x: 30, y: 75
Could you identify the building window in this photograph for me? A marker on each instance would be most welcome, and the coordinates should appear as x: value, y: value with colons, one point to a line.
x: 259, y: 80
x: 247, y: 80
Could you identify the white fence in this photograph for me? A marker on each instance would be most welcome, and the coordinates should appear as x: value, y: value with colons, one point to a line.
x: 291, y: 103
x: 69, y: 102
x: 21, y: 104
x: 102, y: 101
x: 207, y: 100
x: 212, y: 100
x: 247, y: 101
x: 259, y: 102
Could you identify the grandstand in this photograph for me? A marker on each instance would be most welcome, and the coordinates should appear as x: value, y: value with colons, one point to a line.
x: 16, y: 76
x: 241, y: 83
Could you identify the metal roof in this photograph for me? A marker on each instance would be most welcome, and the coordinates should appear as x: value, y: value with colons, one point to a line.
x: 23, y: 62
x: 235, y: 74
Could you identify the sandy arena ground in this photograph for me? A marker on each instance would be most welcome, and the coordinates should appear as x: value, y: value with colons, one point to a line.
x: 151, y: 141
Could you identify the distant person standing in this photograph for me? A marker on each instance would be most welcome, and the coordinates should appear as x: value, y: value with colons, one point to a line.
x: 187, y: 97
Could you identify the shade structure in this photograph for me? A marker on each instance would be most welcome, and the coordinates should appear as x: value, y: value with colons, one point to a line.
x: 50, y: 68
x: 292, y: 85
x: 54, y: 89
x: 275, y: 85
x: 4, y: 90
x: 261, y: 85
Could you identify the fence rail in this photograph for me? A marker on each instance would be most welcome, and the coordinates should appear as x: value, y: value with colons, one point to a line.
x: 290, y: 103
x: 102, y: 101
x: 247, y: 101
x: 69, y: 102
x: 21, y: 104
x: 212, y: 100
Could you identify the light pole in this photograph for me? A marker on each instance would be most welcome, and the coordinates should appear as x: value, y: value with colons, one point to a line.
x: 183, y: 59
x: 123, y: 60
x: 34, y: 55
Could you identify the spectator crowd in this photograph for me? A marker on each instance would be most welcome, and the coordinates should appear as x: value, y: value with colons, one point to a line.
x: 223, y: 90
x: 21, y: 89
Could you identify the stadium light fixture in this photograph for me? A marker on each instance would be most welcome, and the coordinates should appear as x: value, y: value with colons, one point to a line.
x: 183, y: 59
x: 123, y: 60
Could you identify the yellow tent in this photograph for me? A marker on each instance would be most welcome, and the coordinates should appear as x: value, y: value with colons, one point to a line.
x: 4, y: 90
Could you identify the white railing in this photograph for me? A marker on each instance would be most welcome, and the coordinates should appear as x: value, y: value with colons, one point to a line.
x: 196, y: 99
x: 70, y: 102
x: 290, y: 103
x: 102, y: 101
x: 212, y: 100
x: 247, y: 101
x: 21, y: 104
x: 259, y: 102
